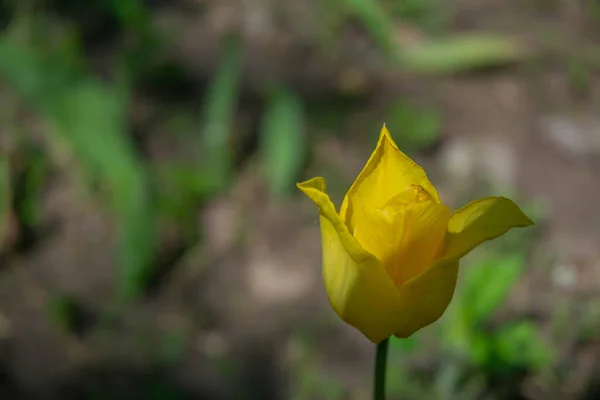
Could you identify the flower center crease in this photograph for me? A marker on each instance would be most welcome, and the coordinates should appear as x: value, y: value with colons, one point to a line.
x: 405, y: 234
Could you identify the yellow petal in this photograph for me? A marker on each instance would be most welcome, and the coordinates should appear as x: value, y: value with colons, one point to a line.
x: 482, y: 220
x: 357, y: 285
x: 387, y: 173
x: 426, y: 297
x: 406, y: 234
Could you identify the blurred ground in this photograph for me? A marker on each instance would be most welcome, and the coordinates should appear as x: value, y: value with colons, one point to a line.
x: 236, y: 309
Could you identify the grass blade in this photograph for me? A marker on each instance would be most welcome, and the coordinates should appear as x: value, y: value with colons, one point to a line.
x: 283, y: 140
x: 218, y: 113
x: 461, y: 54
x: 377, y: 22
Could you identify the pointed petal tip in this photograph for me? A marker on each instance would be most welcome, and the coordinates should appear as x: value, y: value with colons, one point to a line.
x: 384, y: 132
x: 316, y: 183
x: 482, y: 220
x: 528, y: 221
x: 386, y: 136
x: 525, y: 221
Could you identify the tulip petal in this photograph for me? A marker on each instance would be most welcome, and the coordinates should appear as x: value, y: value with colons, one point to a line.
x: 425, y: 297
x: 358, y: 287
x: 387, y: 173
x: 482, y: 220
x: 406, y: 234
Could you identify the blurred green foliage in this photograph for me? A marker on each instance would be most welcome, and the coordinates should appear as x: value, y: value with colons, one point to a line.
x: 31, y: 183
x: 462, y: 53
x: 89, y: 117
x: 282, y: 137
x: 430, y: 15
x: 413, y: 129
x: 378, y: 23
x: 313, y: 384
x: 219, y: 108
x: 475, y: 350
x: 67, y: 314
x: 485, y: 288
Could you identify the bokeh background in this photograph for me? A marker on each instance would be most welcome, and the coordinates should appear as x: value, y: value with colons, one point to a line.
x: 153, y: 244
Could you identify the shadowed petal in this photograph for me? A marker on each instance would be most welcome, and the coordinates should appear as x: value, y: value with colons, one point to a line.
x: 426, y: 297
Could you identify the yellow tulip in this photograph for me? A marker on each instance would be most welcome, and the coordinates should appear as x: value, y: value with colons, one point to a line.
x: 391, y: 255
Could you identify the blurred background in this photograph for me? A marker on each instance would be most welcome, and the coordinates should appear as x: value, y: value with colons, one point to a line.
x: 153, y: 244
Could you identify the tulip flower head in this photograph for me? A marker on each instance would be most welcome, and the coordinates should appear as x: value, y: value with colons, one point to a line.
x: 391, y: 255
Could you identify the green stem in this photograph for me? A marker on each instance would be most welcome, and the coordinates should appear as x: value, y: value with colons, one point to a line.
x: 380, y: 368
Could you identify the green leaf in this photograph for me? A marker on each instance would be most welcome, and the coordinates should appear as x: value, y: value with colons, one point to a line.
x: 487, y: 285
x: 481, y: 348
x: 283, y: 140
x: 414, y: 129
x: 144, y: 43
x: 136, y: 240
x: 180, y: 189
x: 218, y: 113
x: 92, y: 120
x: 132, y: 13
x: 461, y: 53
x: 520, y: 345
x: 457, y: 330
x: 439, y: 56
x: 377, y: 22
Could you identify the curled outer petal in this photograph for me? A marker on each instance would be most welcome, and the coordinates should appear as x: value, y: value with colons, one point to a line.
x: 427, y: 296
x: 387, y: 173
x: 482, y: 220
x: 357, y: 285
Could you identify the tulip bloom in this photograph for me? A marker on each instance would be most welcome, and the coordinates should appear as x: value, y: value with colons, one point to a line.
x: 391, y: 255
